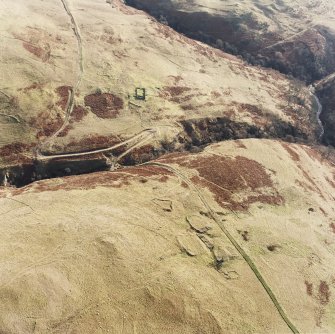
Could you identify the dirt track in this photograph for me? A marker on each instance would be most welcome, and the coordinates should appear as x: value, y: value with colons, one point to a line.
x: 72, y: 91
x: 241, y: 251
x: 150, y: 132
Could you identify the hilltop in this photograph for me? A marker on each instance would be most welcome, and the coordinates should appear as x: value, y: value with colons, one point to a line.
x: 153, y: 183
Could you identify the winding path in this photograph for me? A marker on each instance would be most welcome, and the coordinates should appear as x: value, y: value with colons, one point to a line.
x: 80, y: 62
x: 241, y: 251
x: 149, y: 132
x: 143, y: 136
x: 72, y: 91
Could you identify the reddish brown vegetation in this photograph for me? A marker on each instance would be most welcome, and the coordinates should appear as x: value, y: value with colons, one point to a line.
x: 174, y: 157
x: 166, y: 31
x: 309, y: 288
x: 325, y: 214
x: 39, y: 52
x: 313, y: 153
x: 185, y: 185
x: 139, y: 155
x: 294, y: 155
x: 324, y: 293
x: 176, y: 79
x: 78, y: 113
x: 215, y: 94
x: 176, y: 90
x: 304, y: 185
x: 240, y: 144
x: 263, y: 198
x: 104, y: 105
x: 16, y: 153
x: 64, y: 93
x: 251, y: 109
x: 127, y: 10
x: 33, y: 86
x: 225, y: 177
x: 314, y: 187
x: 332, y: 183
x: 46, y: 124
x: 323, y: 297
x: 187, y: 107
x: 92, y: 142
x: 182, y: 99
x: 116, y: 179
x: 176, y: 93
x: 86, y: 181
x: 65, y: 131
x: 110, y: 38
x: 155, y: 172
x: 163, y: 179
x: 332, y: 226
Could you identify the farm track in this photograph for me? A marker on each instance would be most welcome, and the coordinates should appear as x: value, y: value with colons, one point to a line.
x: 236, y: 245
x: 150, y: 133
x: 70, y: 105
x: 72, y: 91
